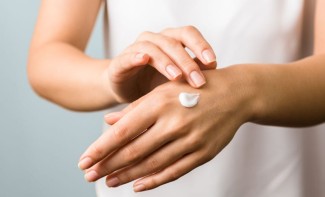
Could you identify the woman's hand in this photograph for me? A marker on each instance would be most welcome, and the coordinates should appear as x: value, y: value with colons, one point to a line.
x: 158, y: 140
x: 129, y: 78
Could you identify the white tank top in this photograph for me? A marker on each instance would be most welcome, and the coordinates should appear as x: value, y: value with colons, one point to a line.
x: 260, y: 161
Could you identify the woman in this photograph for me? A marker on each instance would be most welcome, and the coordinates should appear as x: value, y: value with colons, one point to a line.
x: 262, y: 78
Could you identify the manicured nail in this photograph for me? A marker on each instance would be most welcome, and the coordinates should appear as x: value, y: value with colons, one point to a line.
x: 85, y: 163
x: 208, y: 56
x: 113, y: 182
x: 173, y: 71
x: 111, y: 115
x: 91, y: 176
x: 139, y: 56
x: 139, y: 188
x: 197, y: 79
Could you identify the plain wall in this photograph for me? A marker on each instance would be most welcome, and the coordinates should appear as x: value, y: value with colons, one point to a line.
x: 40, y: 143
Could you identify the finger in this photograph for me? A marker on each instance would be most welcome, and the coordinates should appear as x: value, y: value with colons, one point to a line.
x: 201, y: 65
x: 127, y: 64
x: 158, y: 59
x: 194, y: 40
x: 150, y: 141
x: 113, y: 117
x: 175, y: 50
x: 161, y: 159
x: 116, y: 136
x: 169, y: 174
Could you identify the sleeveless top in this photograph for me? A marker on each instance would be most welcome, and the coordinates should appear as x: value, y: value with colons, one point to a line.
x: 260, y: 161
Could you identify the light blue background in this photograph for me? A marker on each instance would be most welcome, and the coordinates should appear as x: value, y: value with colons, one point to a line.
x: 40, y: 143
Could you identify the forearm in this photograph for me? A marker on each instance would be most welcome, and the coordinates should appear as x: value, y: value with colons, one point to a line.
x: 291, y: 94
x: 64, y: 75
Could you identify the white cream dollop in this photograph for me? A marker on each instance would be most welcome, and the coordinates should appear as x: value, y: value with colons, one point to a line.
x: 188, y: 99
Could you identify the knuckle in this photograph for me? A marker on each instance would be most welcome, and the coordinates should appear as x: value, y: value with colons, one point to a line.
x: 174, y: 174
x: 181, y: 122
x: 200, y: 43
x: 143, y: 45
x: 152, y: 183
x: 205, y: 158
x: 189, y: 28
x: 159, y: 90
x: 144, y: 35
x: 189, y: 64
x: 172, y: 43
x: 169, y: 134
x: 126, y: 177
x: 166, y: 30
x: 97, y: 150
x: 102, y: 168
x: 120, y: 133
x: 152, y: 165
x: 131, y: 106
x: 131, y: 153
x: 207, y: 155
x: 164, y: 97
x: 160, y: 101
x: 178, y: 128
x: 194, y: 141
x: 157, y: 106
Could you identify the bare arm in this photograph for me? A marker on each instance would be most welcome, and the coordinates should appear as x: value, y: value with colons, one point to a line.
x: 288, y: 95
x: 294, y: 94
x: 58, y: 69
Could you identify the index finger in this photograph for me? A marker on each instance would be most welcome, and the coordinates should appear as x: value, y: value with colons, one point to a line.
x: 192, y: 38
x: 116, y: 136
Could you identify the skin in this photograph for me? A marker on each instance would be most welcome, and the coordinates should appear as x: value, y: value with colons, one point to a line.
x: 283, y: 95
x: 79, y: 82
x: 286, y: 95
x: 245, y: 93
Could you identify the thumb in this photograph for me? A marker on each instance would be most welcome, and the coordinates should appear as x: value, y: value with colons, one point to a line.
x: 126, y: 65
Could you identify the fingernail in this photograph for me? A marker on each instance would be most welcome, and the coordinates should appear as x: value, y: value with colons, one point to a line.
x: 110, y: 115
x: 173, y: 71
x: 139, y: 56
x: 91, y: 176
x: 139, y: 187
x: 85, y: 163
x: 208, y: 56
x: 113, y: 182
x: 197, y: 79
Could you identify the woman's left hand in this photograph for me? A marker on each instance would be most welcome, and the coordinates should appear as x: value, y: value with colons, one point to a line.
x: 158, y: 140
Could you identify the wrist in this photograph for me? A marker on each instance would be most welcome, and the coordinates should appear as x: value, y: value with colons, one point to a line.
x: 250, y: 83
x: 104, y: 83
x: 262, y: 90
x: 243, y: 83
x: 249, y: 90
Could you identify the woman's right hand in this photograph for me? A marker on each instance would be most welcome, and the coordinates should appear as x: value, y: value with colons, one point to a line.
x: 129, y: 77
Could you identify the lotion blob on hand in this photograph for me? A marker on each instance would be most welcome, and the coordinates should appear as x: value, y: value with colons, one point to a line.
x: 188, y: 99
